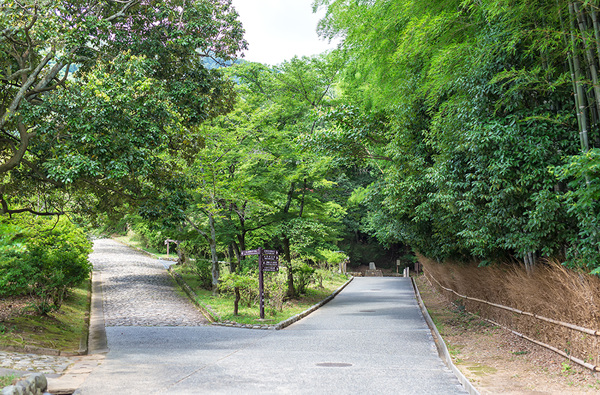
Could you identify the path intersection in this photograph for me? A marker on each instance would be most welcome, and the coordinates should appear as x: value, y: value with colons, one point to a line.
x: 371, y: 338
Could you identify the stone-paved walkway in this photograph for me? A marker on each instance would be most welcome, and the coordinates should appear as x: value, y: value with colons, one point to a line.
x: 138, y: 291
x: 46, y: 364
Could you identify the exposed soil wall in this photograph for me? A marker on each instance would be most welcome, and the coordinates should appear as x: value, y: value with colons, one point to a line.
x: 551, y: 291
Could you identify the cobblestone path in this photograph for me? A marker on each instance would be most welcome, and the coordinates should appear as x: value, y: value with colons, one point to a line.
x: 46, y: 364
x: 137, y: 290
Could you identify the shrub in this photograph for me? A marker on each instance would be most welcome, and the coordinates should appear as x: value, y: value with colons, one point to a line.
x: 12, y: 247
x: 275, y: 290
x: 203, y: 268
x: 247, y: 284
x: 303, y: 275
x: 53, y: 258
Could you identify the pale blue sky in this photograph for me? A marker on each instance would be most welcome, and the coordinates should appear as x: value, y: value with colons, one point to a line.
x: 276, y: 30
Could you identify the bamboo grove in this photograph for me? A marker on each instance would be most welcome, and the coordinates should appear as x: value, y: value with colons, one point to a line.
x: 488, y: 148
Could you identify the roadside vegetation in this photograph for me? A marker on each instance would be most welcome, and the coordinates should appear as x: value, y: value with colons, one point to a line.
x: 494, y: 359
x: 278, y: 308
x: 61, y: 330
x: 7, y: 380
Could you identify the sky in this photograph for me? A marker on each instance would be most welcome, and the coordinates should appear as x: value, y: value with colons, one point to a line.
x: 276, y: 30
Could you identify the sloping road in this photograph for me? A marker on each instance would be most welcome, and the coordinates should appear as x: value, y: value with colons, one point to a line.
x: 137, y: 290
x: 370, y: 339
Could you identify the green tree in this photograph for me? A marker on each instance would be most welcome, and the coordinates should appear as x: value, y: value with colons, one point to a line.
x: 74, y: 73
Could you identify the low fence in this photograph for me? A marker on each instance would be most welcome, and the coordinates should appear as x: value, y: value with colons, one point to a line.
x: 574, y: 342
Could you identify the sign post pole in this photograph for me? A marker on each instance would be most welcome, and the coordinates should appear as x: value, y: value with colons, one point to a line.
x: 268, y: 261
x: 261, y: 285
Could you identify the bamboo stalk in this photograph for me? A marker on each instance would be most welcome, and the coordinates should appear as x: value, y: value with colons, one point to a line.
x: 589, y: 54
x: 596, y: 30
x: 583, y: 132
x: 571, y: 66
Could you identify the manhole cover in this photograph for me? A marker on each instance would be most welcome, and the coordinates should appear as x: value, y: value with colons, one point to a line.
x: 334, y: 364
x: 366, y: 311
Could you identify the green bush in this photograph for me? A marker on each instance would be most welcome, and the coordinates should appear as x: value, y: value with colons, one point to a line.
x: 247, y: 284
x: 149, y: 237
x: 12, y: 247
x: 49, y: 257
x: 275, y: 290
x: 303, y: 275
x: 203, y: 268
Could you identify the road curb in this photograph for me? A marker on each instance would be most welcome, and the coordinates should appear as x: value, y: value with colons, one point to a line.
x: 206, y: 311
x: 97, y: 342
x: 440, y: 345
x: 298, y: 317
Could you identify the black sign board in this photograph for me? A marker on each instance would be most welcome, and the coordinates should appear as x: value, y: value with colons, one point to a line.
x: 271, y: 268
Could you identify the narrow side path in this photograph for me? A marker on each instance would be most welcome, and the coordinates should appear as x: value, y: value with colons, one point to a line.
x: 137, y: 290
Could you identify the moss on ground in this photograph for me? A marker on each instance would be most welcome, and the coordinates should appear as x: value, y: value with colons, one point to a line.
x: 61, y: 330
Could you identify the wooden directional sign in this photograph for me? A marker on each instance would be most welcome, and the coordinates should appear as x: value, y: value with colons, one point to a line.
x: 271, y: 267
x: 250, y: 252
x: 268, y: 261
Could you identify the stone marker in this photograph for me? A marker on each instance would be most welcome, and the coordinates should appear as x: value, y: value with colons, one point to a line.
x: 372, y: 266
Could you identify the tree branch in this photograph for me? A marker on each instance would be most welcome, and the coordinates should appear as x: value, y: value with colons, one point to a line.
x: 18, y: 154
x: 10, y: 212
x: 121, y: 13
x: 21, y: 93
x: 195, y: 227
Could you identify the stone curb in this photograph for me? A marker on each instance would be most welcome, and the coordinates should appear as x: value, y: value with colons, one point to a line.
x: 206, y: 311
x: 97, y: 341
x: 214, y: 317
x: 306, y: 312
x: 440, y: 345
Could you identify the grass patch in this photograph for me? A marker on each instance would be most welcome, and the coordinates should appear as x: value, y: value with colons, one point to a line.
x: 61, y: 330
x: 222, y: 305
x: 5, y: 381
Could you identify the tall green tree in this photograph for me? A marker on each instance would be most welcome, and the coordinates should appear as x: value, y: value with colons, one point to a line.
x: 92, y: 91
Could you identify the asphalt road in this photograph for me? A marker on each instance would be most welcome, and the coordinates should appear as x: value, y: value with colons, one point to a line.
x: 370, y: 339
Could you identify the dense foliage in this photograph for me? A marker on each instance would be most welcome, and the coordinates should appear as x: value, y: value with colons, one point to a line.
x: 461, y: 129
x: 482, y: 118
x: 44, y: 258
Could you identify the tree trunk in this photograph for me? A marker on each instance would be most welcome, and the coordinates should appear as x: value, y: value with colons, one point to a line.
x: 291, y: 292
x: 234, y: 265
x: 589, y: 55
x: 213, y: 252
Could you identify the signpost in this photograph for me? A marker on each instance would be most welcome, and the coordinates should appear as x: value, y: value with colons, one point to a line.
x: 268, y: 261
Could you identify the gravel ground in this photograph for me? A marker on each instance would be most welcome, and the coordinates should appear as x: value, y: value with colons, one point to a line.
x: 138, y: 291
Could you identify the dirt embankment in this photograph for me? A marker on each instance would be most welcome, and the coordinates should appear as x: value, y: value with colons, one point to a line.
x: 498, y: 361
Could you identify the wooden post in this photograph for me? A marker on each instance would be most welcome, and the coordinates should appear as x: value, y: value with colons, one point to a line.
x: 261, y: 286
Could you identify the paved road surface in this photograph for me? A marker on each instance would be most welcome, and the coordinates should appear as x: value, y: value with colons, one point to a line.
x: 371, y: 339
